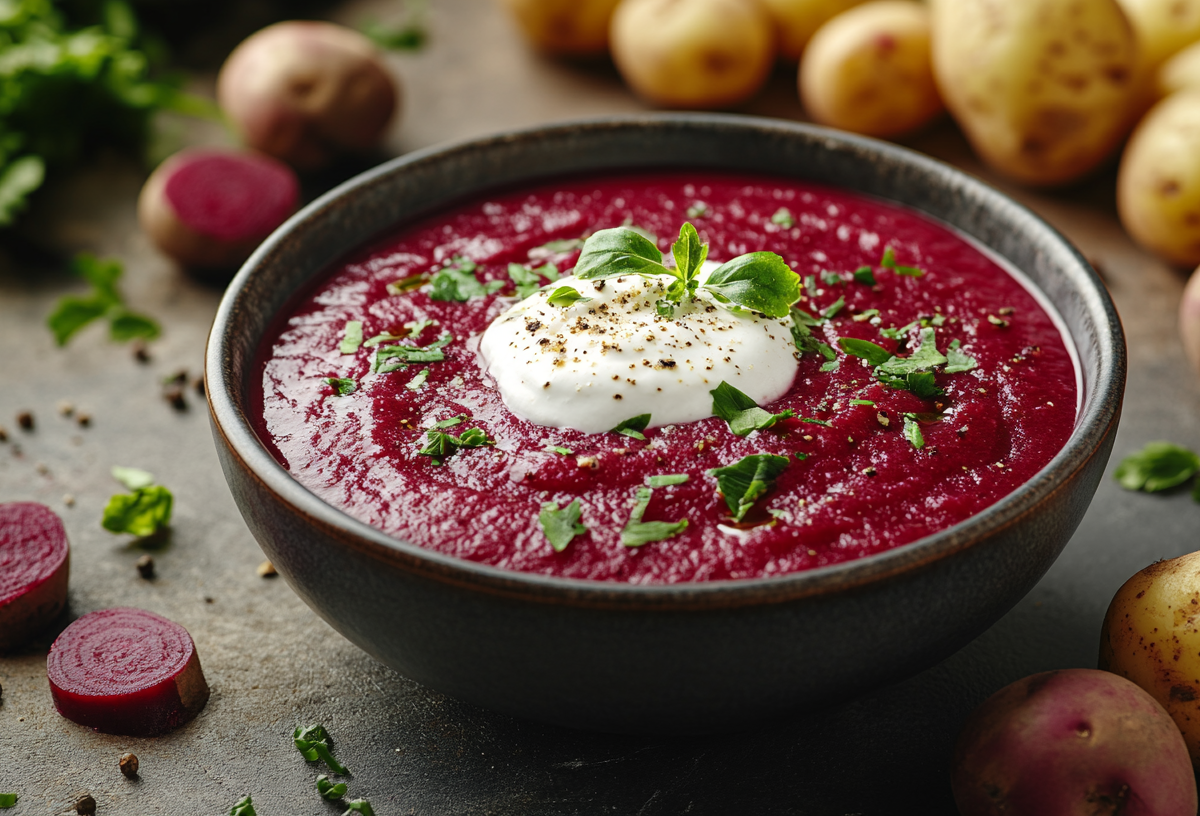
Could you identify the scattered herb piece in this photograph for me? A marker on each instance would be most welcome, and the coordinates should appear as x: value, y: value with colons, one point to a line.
x: 399, y: 287
x: 526, y: 280
x: 746, y: 481
x: 865, y: 315
x: 802, y: 335
x: 559, y: 247
x: 784, y: 218
x: 410, y: 354
x: 831, y: 361
x: 697, y: 210
x: 439, y: 444
x: 861, y: 402
x: 72, y: 313
x: 957, y: 362
x: 457, y: 282
x: 132, y: 478
x: 1156, y: 467
x: 873, y: 353
x: 921, y: 383
x: 244, y: 807
x: 360, y: 806
x: 898, y: 333
x: 342, y: 386
x: 451, y: 422
x: 638, y: 532
x: 416, y: 327
x: 417, y: 381
x: 141, y: 513
x: 800, y: 457
x: 353, y: 338
x: 474, y: 438
x: 7, y: 800
x: 560, y: 526
x: 329, y: 790
x: 633, y: 426
x: 410, y: 34
x: 889, y: 262
x: 865, y: 275
x: 667, y: 479
x: 741, y: 412
x: 313, y: 743
x: 386, y: 337
x: 923, y: 359
x: 831, y: 278
x: 912, y: 432
x: 810, y: 285
x: 821, y: 422
x: 559, y: 450
x: 566, y: 295
x: 834, y: 308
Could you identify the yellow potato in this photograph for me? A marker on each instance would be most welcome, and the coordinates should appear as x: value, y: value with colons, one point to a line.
x: 569, y: 27
x: 1158, y: 186
x: 1180, y: 73
x: 693, y: 53
x: 1163, y: 27
x: 868, y: 70
x: 1189, y: 320
x: 1043, y: 89
x: 797, y: 20
x: 1151, y: 635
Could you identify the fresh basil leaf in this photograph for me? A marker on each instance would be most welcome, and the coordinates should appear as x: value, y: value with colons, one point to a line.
x: 865, y: 275
x: 889, y: 262
x: 329, y: 790
x: 923, y: 359
x: 141, y: 513
x: 637, y: 532
x: 741, y: 412
x: 565, y: 296
x: 759, y: 281
x: 618, y: 251
x: 416, y: 382
x: 1156, y: 467
x: 124, y: 325
x: 353, y: 337
x: 784, y: 218
x: 399, y: 287
x: 633, y: 426
x: 314, y: 743
x: 560, y: 526
x: 912, y: 432
x: 474, y: 438
x: 957, y: 361
x: 871, y: 352
x: 667, y: 479
x: 244, y: 807
x: 73, y: 313
x: 359, y: 806
x: 689, y: 252
x: 132, y: 478
x: 746, y: 481
x: 342, y: 386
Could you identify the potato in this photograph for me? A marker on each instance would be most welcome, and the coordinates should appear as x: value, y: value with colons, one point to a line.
x: 306, y: 91
x: 1151, y: 635
x: 1189, y: 320
x: 1043, y: 89
x: 569, y: 27
x: 1158, y: 185
x: 1077, y: 742
x: 797, y: 20
x: 868, y: 70
x: 1179, y: 73
x: 693, y: 53
x: 1163, y: 27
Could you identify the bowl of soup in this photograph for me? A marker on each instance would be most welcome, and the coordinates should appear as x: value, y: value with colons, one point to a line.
x: 669, y: 423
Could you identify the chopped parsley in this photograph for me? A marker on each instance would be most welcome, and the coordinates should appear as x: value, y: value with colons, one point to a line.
x: 561, y: 525
x: 559, y: 450
x: 244, y: 807
x: 401, y: 356
x: 7, y: 800
x: 415, y: 327
x: 802, y: 335
x: 957, y: 361
x: 132, y: 478
x: 831, y: 278
x: 141, y: 513
x: 451, y: 422
x: 638, y: 532
x: 912, y: 432
x: 923, y: 359
x: 667, y: 479
x: 633, y: 426
x: 746, y: 481
x: 784, y: 218
x: 821, y: 422
x: 313, y: 743
x: 889, y: 262
x: 834, y: 308
x: 526, y: 280
x: 342, y: 386
x: 865, y: 275
x: 861, y: 402
x: 439, y: 445
x: 72, y: 313
x: 399, y: 287
x: 912, y: 373
x: 1158, y: 466
x: 759, y: 281
x: 742, y: 413
x: 697, y: 210
x: 565, y: 296
x: 456, y: 281
x: 353, y: 337
x: 922, y: 383
x: 417, y: 381
x: 329, y: 790
x: 361, y: 806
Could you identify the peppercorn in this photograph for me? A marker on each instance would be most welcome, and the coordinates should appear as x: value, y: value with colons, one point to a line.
x: 174, y: 395
x: 145, y: 567
x: 129, y: 765
x: 25, y: 420
x: 85, y: 805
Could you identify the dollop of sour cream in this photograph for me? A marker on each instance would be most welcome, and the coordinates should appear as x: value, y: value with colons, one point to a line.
x: 597, y: 362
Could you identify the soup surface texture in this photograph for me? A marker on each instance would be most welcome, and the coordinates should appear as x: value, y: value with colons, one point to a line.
x: 870, y: 460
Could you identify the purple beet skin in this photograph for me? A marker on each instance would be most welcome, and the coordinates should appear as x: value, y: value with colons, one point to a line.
x: 1077, y: 742
x: 34, y: 562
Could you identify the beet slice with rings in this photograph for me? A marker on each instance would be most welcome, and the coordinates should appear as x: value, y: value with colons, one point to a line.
x: 34, y: 562
x: 126, y: 671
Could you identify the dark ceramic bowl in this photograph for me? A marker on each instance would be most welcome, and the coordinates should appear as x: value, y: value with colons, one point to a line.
x: 679, y: 658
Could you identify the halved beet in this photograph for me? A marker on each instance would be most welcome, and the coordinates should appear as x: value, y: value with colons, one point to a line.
x: 210, y: 207
x: 126, y: 671
x: 34, y: 562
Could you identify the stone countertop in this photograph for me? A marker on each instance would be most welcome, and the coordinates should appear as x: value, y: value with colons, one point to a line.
x: 273, y: 664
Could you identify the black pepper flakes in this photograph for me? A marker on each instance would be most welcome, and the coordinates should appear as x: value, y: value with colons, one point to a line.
x: 145, y: 567
x: 140, y: 352
x: 173, y: 394
x: 129, y: 765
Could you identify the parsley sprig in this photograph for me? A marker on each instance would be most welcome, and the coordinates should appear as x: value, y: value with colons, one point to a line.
x: 439, y: 445
x: 561, y: 525
x: 244, y: 807
x: 143, y: 511
x: 746, y: 481
x: 915, y: 372
x: 759, y: 281
x: 72, y: 313
x: 741, y: 412
x: 313, y: 743
x: 1159, y: 466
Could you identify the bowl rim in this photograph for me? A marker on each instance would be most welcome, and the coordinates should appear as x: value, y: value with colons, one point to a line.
x: 1097, y: 416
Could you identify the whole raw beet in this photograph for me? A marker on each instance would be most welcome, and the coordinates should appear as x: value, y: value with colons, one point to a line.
x: 1077, y: 742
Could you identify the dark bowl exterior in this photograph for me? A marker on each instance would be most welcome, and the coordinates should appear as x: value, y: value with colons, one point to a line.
x: 678, y: 658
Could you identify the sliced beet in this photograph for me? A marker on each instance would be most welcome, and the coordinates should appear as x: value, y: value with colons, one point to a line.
x: 209, y: 208
x: 126, y: 671
x: 34, y: 562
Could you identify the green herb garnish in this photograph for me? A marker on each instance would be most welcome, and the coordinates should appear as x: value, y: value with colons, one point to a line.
x: 353, y: 337
x: 313, y: 743
x: 834, y: 308
x: 889, y: 262
x: 667, y: 479
x: 831, y: 278
x: 957, y: 362
x: 746, y: 481
x: 244, y: 807
x: 821, y: 422
x: 802, y: 335
x: 559, y: 450
x: 873, y: 353
x: 633, y: 426
x: 141, y: 513
x: 1158, y: 466
x: 912, y: 432
x: 439, y: 444
x: 7, y: 800
x: 360, y: 806
x: 342, y: 386
x: 741, y: 412
x: 638, y: 532
x: 72, y: 313
x: 784, y: 218
x: 457, y: 282
x: 697, y: 210
x: 759, y: 281
x: 861, y: 402
x: 399, y: 287
x: 560, y: 526
x: 409, y: 34
x: 401, y: 356
x: 865, y: 275
x: 565, y: 296
x: 417, y: 381
x: 132, y: 478
x: 451, y: 422
x: 923, y: 359
x: 329, y: 790
x: 526, y: 280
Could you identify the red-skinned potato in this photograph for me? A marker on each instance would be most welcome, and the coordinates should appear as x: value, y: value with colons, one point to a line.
x: 1076, y: 742
x: 567, y: 27
x: 1189, y: 320
x: 209, y: 208
x: 307, y: 91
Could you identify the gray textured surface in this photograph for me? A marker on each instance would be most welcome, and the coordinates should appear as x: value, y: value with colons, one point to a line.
x: 273, y: 664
